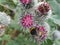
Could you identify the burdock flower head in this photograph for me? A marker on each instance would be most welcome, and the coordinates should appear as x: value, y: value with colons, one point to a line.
x: 27, y: 20
x: 39, y: 33
x: 42, y: 32
x: 4, y: 18
x: 27, y: 4
x: 25, y: 1
x: 4, y: 21
x: 43, y: 8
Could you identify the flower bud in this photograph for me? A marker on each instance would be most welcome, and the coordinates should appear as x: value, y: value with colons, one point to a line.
x: 25, y: 1
x: 4, y: 18
x: 27, y: 20
x: 56, y: 34
x: 43, y: 8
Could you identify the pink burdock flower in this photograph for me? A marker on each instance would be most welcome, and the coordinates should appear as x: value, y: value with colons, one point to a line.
x: 25, y: 1
x: 39, y: 33
x: 43, y: 8
x: 41, y: 28
x: 27, y: 20
x: 42, y: 33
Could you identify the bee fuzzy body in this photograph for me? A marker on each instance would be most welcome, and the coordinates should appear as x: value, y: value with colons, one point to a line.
x: 33, y: 31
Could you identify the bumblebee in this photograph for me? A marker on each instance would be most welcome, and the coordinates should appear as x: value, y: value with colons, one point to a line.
x: 33, y: 31
x: 37, y: 34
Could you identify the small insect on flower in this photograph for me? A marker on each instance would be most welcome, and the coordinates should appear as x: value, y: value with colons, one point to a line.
x: 33, y: 31
x: 27, y: 20
x: 39, y: 33
x: 43, y: 8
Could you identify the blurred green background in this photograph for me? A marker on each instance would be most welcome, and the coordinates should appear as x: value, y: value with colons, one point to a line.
x: 12, y: 8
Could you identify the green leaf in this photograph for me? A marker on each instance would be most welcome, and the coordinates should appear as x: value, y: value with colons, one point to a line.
x: 6, y: 37
x: 55, y: 7
x: 15, y: 1
x: 12, y: 42
x: 57, y: 42
x: 2, y: 1
x: 58, y: 1
x: 56, y: 19
x: 48, y: 42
